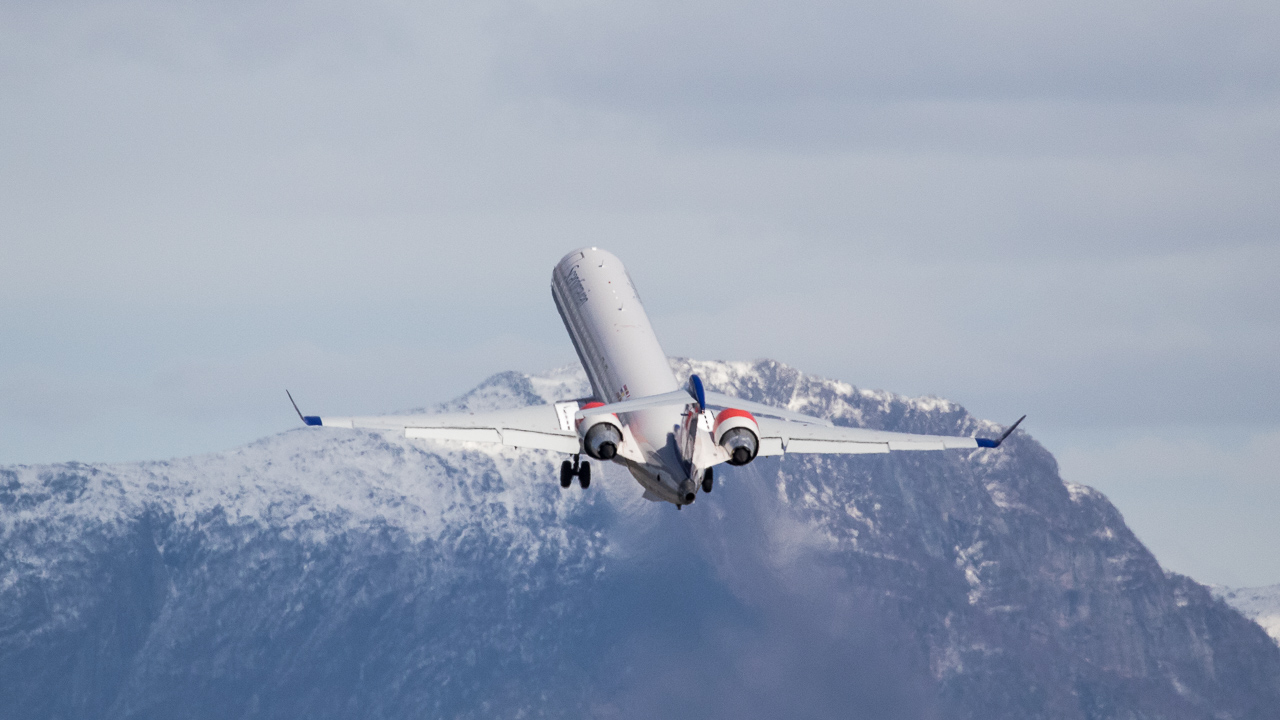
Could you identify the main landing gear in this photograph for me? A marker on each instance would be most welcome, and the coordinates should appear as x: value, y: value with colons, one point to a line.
x: 707, y: 481
x: 582, y: 470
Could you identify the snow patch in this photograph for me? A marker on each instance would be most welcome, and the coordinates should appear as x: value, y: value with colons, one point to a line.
x: 1079, y: 493
x: 1259, y: 604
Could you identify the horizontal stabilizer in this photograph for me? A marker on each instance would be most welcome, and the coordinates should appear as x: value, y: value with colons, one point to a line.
x: 720, y: 400
x: 679, y: 397
x: 709, y: 399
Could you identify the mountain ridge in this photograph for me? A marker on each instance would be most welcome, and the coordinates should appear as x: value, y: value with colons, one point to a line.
x: 351, y: 573
x: 1259, y: 604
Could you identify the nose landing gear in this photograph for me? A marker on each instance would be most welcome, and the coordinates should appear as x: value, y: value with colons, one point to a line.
x: 580, y: 470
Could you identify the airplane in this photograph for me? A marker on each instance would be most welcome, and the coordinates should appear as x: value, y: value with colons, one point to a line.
x: 669, y: 437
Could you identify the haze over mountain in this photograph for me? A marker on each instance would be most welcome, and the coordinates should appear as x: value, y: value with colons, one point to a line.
x: 326, y: 573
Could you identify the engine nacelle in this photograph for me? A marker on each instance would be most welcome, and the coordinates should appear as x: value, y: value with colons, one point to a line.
x: 739, y: 434
x: 601, y: 434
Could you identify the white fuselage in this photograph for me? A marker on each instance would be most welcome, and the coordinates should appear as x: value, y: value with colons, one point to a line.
x: 622, y: 357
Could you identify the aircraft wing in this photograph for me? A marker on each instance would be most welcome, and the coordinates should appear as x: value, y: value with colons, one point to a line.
x: 779, y: 436
x: 539, y: 427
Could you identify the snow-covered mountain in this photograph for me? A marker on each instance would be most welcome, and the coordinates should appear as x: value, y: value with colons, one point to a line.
x: 1260, y: 604
x: 348, y: 574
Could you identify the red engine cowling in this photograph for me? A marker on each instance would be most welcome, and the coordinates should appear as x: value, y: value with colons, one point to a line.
x: 601, y: 434
x: 739, y: 434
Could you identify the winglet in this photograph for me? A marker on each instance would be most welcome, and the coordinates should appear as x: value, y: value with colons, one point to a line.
x: 989, y: 443
x: 307, y: 419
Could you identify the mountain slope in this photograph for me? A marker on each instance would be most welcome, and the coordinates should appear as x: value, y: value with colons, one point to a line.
x: 1259, y: 604
x: 328, y: 573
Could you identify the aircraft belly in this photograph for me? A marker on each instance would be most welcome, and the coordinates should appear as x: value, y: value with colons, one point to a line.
x: 656, y: 485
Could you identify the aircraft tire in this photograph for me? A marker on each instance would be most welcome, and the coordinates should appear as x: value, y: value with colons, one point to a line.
x: 708, y: 481
x: 566, y: 474
x: 584, y: 475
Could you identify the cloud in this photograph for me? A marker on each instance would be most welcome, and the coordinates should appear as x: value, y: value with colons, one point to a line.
x: 751, y: 624
x: 758, y: 54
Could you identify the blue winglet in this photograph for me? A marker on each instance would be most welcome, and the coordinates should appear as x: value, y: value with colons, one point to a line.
x: 695, y: 386
x: 309, y: 419
x: 988, y: 443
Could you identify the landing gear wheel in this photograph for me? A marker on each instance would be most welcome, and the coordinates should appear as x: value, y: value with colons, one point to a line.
x: 584, y: 475
x: 707, y: 481
x: 566, y: 474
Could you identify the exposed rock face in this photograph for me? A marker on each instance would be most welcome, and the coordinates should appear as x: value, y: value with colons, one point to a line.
x: 328, y: 573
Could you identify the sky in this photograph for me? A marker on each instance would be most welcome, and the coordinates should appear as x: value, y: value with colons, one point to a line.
x: 1067, y: 210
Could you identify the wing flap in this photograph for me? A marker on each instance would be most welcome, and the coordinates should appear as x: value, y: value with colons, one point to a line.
x: 802, y: 445
x: 538, y: 427
x: 916, y: 445
x: 534, y: 440
x: 778, y: 437
x: 770, y: 446
x: 465, y: 434
x: 511, y: 437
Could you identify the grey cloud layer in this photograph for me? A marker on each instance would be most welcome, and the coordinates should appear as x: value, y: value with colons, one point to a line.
x: 755, y: 53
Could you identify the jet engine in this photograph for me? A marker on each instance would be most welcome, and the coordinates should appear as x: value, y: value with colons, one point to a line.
x: 738, y: 433
x: 601, y: 434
